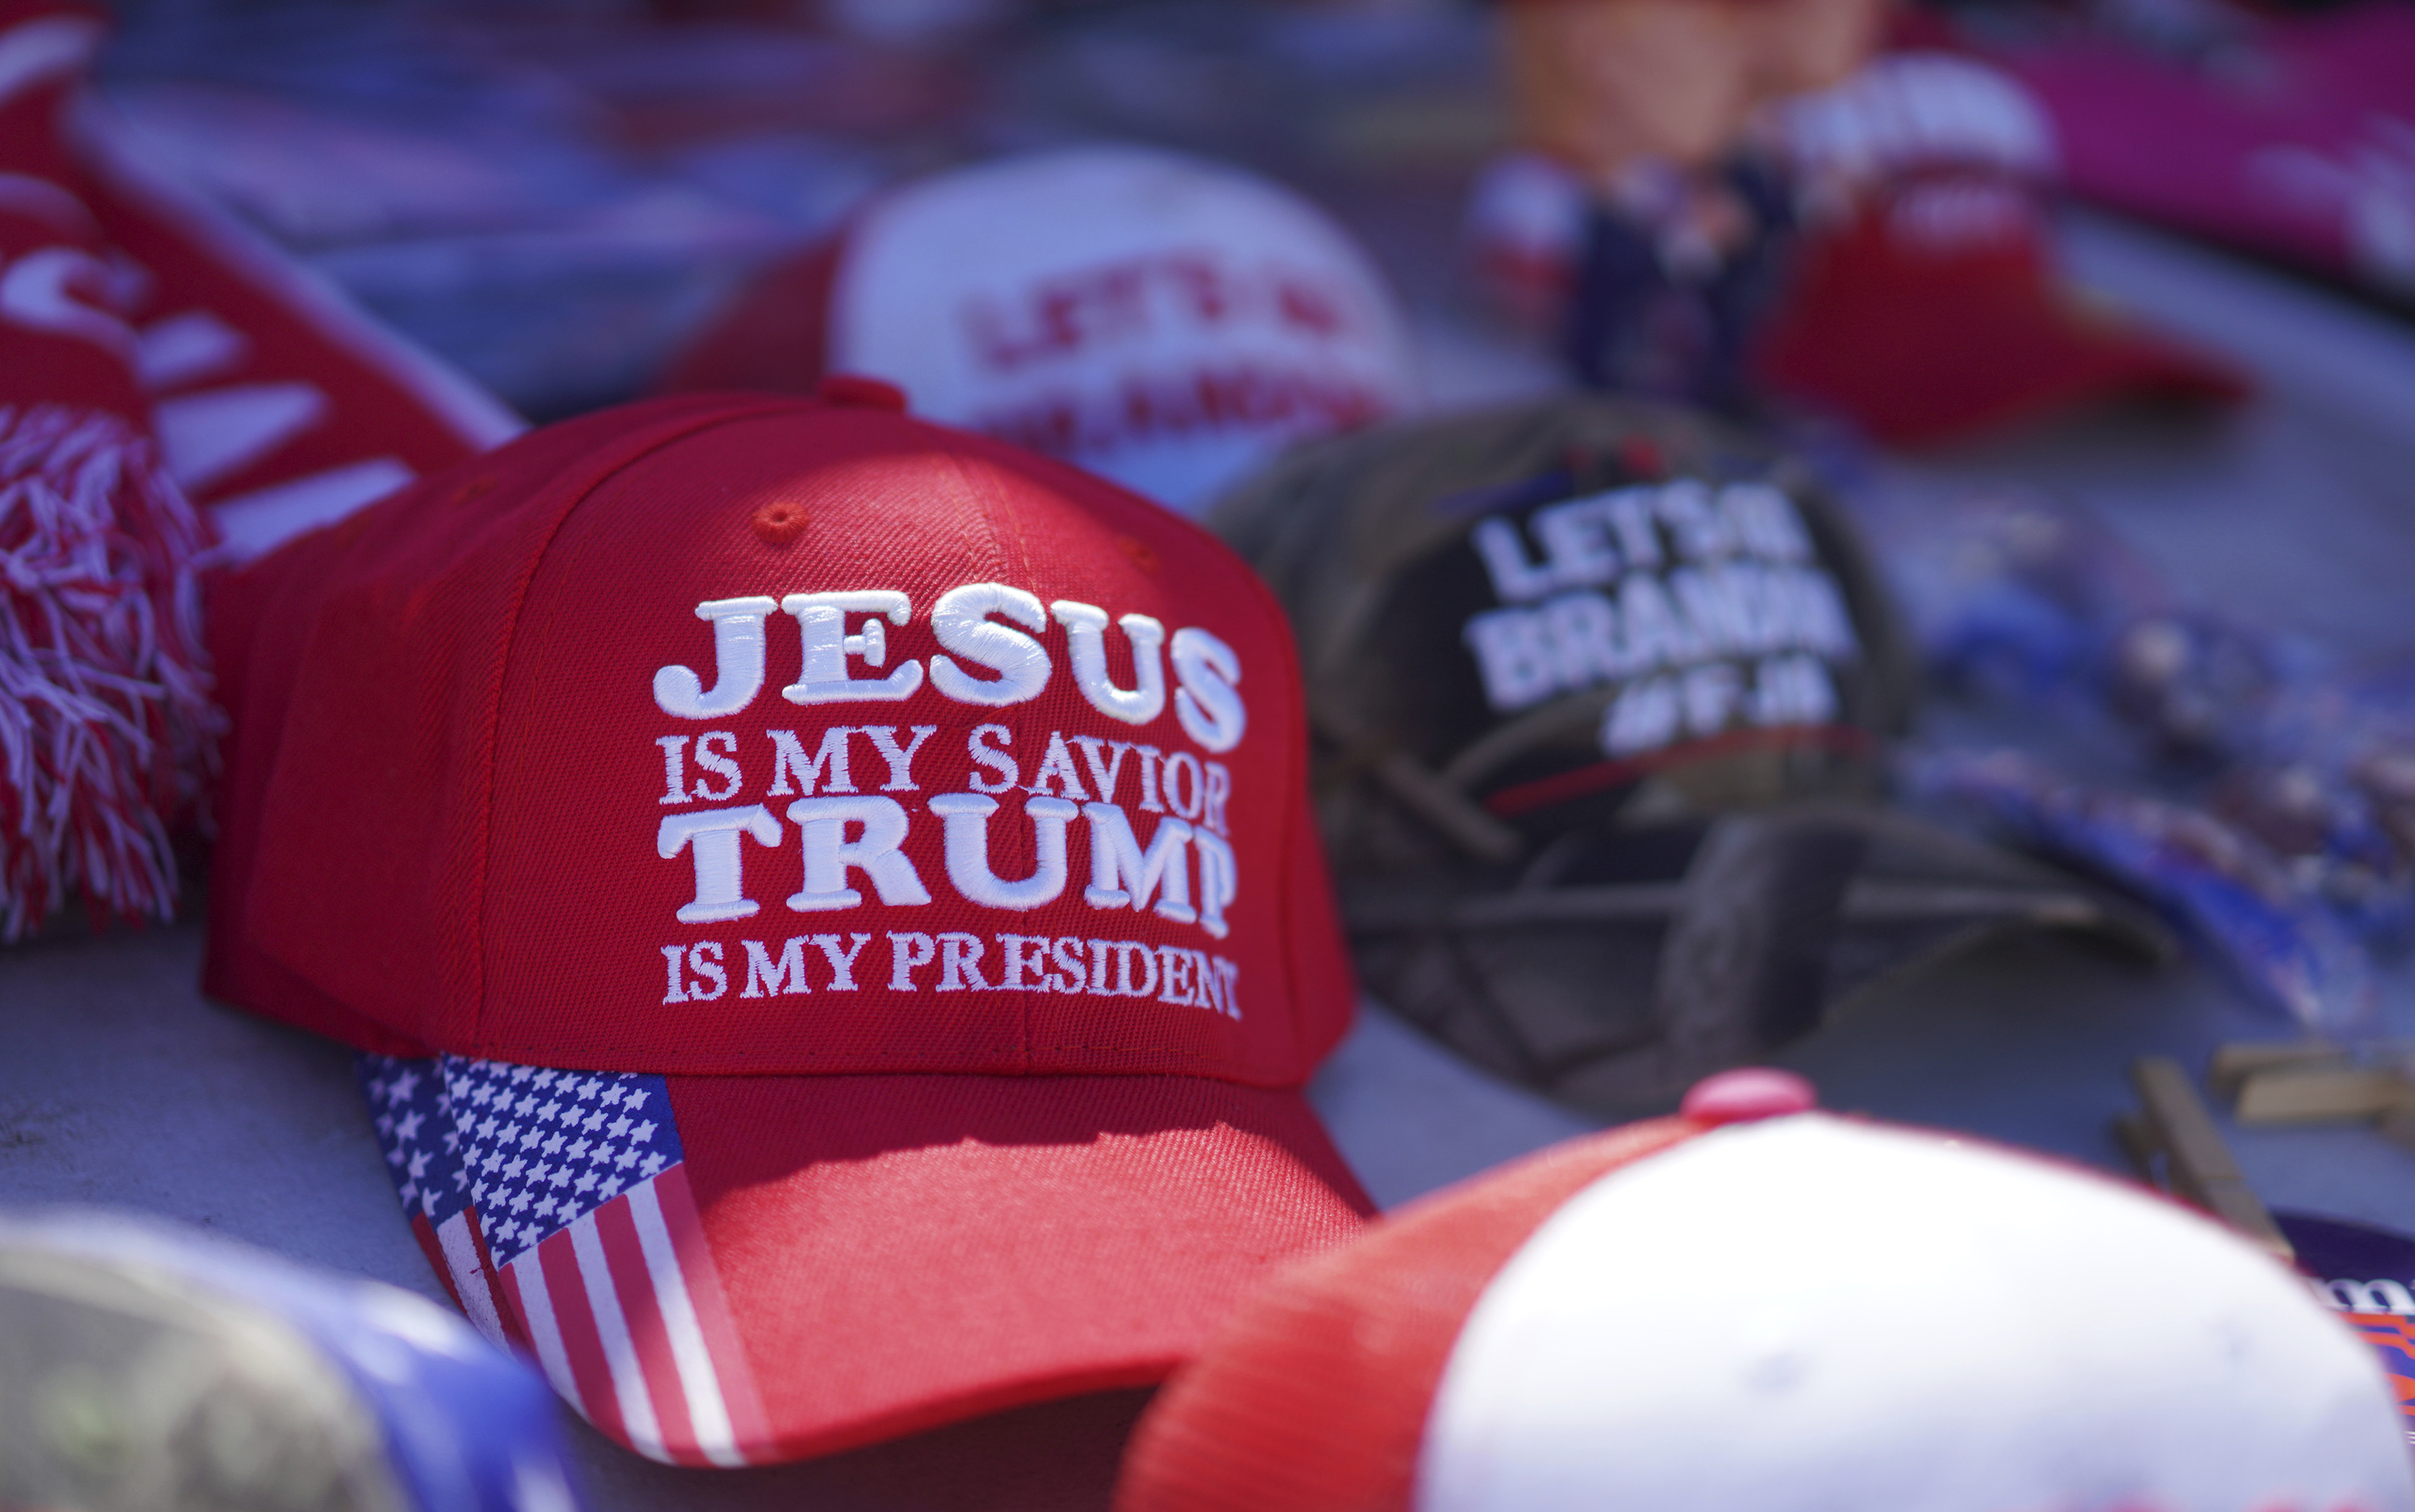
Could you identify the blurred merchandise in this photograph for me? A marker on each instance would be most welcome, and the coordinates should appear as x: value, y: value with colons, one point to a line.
x: 2016, y: 599
x: 108, y: 737
x: 550, y: 196
x: 1525, y: 231
x: 1907, y: 112
x: 1602, y: 85
x: 2330, y: 785
x: 2288, y: 136
x: 1165, y: 321
x: 2365, y: 1271
x: 2361, y: 1271
x: 1927, y: 306
x: 2039, y: 615
x: 2232, y: 894
x: 1757, y: 1305
x: 159, y: 357
x: 1880, y: 249
x: 1678, y: 231
x: 1619, y: 966
x: 157, y: 1369
x: 557, y: 196
x: 1602, y: 694
x: 278, y: 405
x: 1676, y: 274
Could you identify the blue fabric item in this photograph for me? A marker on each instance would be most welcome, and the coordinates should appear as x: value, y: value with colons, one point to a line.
x: 468, y: 1428
x: 1642, y: 325
x: 2282, y: 943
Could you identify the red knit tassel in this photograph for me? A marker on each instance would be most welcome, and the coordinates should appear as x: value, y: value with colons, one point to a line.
x: 107, y: 731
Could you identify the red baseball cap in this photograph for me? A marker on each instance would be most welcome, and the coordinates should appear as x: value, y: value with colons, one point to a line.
x: 1932, y: 313
x: 1756, y: 1305
x: 1927, y: 305
x: 1166, y: 321
x: 852, y: 883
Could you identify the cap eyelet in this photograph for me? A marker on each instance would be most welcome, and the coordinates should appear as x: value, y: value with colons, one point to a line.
x: 780, y: 522
x: 1747, y: 1095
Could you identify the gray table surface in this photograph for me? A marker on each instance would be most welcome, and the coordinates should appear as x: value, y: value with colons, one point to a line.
x: 119, y: 1084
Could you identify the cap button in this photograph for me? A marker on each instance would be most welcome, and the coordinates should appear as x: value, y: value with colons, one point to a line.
x: 854, y: 390
x: 1742, y: 1097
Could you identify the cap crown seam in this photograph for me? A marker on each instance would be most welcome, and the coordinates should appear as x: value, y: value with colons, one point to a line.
x: 1297, y: 813
x: 628, y: 454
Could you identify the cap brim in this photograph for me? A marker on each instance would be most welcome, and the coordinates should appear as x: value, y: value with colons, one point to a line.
x: 835, y: 1260
x: 1923, y: 349
x: 2026, y: 354
x: 1620, y: 967
x: 2051, y: 356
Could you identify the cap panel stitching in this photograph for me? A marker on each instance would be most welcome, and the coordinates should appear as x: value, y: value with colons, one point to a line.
x: 570, y: 493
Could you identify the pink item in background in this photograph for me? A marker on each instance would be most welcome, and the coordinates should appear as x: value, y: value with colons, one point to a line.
x: 2298, y: 145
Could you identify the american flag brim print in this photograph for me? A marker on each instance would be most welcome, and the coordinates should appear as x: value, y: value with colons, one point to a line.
x: 749, y: 1270
x: 556, y: 1206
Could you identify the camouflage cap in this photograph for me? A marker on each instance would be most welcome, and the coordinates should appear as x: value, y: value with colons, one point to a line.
x: 1602, y: 694
x: 1518, y: 622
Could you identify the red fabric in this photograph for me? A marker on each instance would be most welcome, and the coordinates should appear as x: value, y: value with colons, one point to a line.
x: 1933, y: 315
x: 379, y: 398
x: 1313, y: 1396
x: 900, y: 1252
x: 2286, y: 139
x: 490, y: 666
x: 446, y: 834
x: 362, y: 393
x: 107, y: 730
x: 774, y: 337
x: 259, y: 632
x: 65, y: 340
x: 239, y: 380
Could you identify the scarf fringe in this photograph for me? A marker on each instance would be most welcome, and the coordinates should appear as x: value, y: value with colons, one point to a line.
x: 108, y: 734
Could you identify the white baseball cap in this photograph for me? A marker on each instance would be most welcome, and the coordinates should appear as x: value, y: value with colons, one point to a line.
x: 1757, y: 1305
x: 1163, y: 321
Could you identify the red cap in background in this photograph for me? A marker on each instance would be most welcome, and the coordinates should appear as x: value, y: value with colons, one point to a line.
x: 1753, y: 1305
x: 1933, y: 314
x: 1927, y: 306
x: 1166, y: 322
